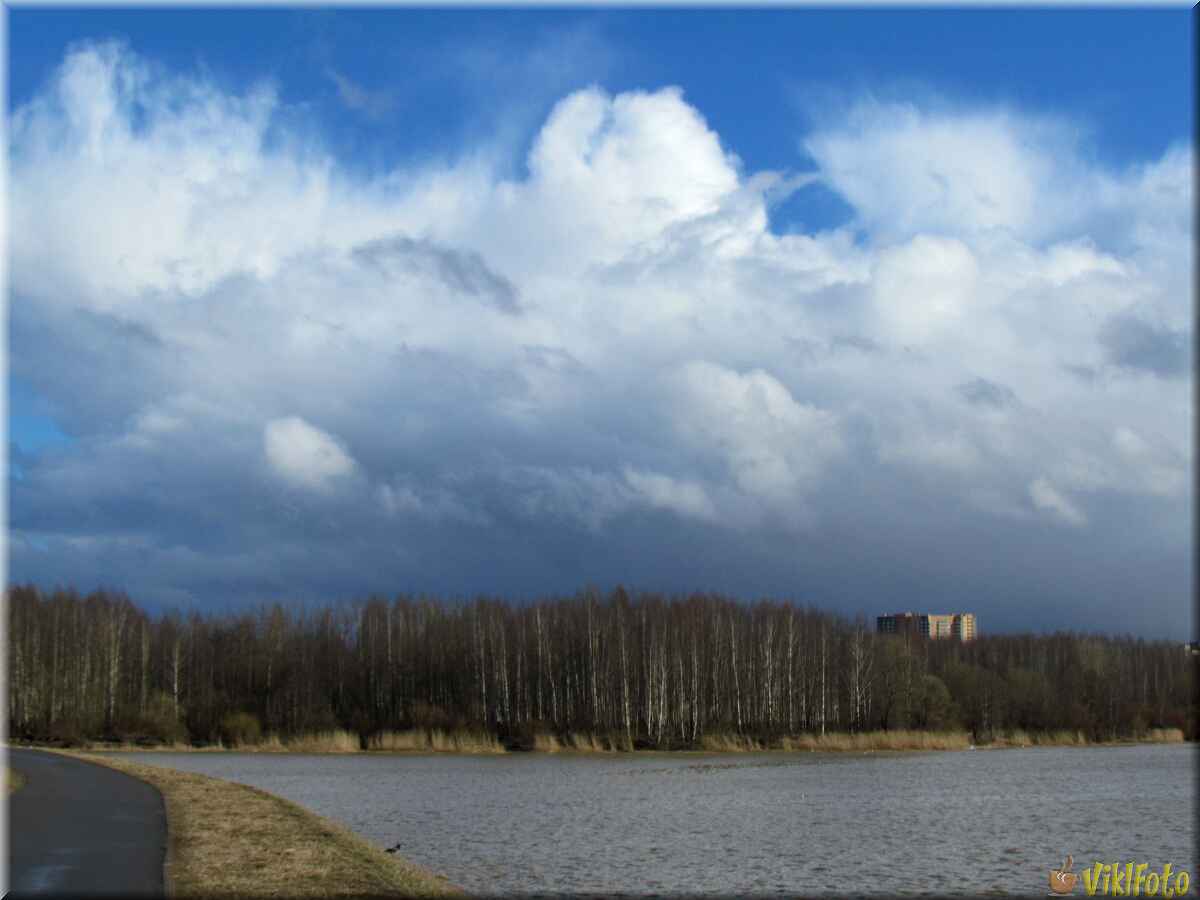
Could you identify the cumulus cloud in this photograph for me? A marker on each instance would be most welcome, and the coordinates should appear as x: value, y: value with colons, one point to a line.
x: 923, y: 288
x: 303, y: 454
x: 771, y: 447
x: 664, y: 492
x: 610, y: 367
x: 910, y: 169
x: 914, y: 171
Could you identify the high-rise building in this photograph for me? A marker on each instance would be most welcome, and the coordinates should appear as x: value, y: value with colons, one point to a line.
x: 964, y: 626
x: 898, y: 623
x: 959, y: 626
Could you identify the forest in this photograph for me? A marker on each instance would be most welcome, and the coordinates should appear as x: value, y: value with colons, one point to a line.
x: 644, y: 671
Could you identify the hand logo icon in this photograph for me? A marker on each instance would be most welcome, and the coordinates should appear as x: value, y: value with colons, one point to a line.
x: 1062, y: 881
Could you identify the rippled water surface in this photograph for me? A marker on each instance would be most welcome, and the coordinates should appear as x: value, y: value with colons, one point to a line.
x: 965, y: 822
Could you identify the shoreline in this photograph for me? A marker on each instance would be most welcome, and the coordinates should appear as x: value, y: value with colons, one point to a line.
x: 865, y: 742
x: 233, y: 839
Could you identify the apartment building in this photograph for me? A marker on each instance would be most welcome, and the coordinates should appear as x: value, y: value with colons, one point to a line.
x: 935, y: 626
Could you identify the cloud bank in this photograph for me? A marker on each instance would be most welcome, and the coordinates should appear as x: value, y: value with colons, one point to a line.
x: 284, y: 379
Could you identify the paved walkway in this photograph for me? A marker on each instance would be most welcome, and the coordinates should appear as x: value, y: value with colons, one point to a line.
x: 79, y: 828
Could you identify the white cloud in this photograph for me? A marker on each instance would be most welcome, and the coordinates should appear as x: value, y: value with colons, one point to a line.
x: 373, y: 104
x: 1046, y: 497
x: 923, y: 288
x: 1068, y: 261
x: 1151, y: 468
x: 619, y: 330
x: 687, y: 498
x: 772, y: 446
x: 939, y: 453
x: 305, y: 455
x: 909, y: 170
x: 192, y: 185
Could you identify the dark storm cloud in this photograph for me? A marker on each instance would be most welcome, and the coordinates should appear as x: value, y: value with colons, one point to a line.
x: 1133, y: 343
x: 981, y: 392
x: 94, y: 368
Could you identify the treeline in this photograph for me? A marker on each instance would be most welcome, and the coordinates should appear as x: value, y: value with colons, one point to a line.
x: 646, y: 671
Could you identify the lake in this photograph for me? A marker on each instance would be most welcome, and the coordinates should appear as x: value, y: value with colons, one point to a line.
x: 771, y: 823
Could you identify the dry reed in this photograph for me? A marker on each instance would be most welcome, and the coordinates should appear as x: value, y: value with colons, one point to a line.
x: 336, y: 741
x: 902, y: 739
x: 435, y: 740
x: 581, y: 742
x: 593, y: 743
x: 730, y: 743
x: 1164, y: 735
x: 836, y: 742
x: 1018, y: 737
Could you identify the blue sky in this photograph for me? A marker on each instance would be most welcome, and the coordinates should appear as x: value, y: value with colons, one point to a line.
x: 758, y: 295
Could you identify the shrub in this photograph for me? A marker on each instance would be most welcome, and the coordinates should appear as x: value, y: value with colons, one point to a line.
x: 66, y: 732
x: 159, y: 724
x: 239, y: 729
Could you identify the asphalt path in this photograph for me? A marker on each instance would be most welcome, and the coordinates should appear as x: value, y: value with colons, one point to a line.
x: 77, y: 828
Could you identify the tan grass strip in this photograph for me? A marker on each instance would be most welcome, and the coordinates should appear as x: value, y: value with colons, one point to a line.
x: 233, y: 840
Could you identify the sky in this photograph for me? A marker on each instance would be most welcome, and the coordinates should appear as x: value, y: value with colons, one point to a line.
x: 868, y: 309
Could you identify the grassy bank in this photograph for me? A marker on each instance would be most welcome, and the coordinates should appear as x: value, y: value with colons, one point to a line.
x: 14, y: 780
x: 435, y: 740
x: 841, y: 742
x: 1018, y: 738
x: 232, y: 840
x: 846, y: 743
x: 419, y: 740
x: 579, y: 742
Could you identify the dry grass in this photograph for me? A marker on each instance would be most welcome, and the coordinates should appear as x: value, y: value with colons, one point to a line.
x: 231, y: 840
x: 337, y: 741
x: 730, y: 743
x: 835, y: 742
x: 436, y: 740
x: 1164, y: 736
x: 127, y: 746
x: 586, y: 742
x: 1019, y: 738
x: 892, y: 740
x: 14, y: 780
x: 916, y: 740
x: 426, y: 740
x: 546, y: 743
x: 581, y: 742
